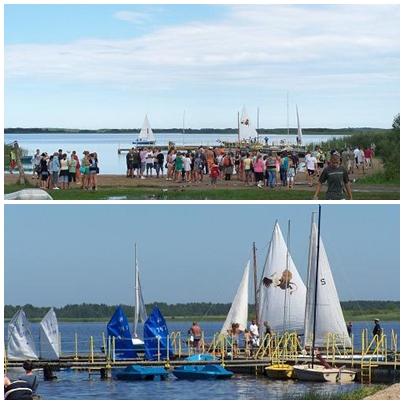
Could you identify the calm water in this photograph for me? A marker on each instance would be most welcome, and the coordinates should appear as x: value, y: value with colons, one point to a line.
x: 79, y: 385
x: 107, y: 144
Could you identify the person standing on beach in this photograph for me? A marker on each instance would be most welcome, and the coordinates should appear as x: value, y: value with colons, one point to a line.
x: 54, y: 168
x: 337, y: 180
x: 44, y: 171
x: 136, y: 163
x: 143, y: 153
x: 64, y: 172
x: 129, y: 163
x: 94, y: 170
x: 214, y: 174
x: 35, y: 164
x: 85, y: 170
x: 159, y: 163
x: 179, y: 166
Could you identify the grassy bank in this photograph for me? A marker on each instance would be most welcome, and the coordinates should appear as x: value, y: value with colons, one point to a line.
x: 358, y: 394
x: 104, y: 193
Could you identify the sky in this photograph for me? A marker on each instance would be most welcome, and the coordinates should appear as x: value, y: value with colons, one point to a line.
x: 66, y: 254
x: 105, y: 66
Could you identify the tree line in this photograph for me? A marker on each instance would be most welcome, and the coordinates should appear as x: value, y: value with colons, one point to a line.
x: 201, y: 310
x: 282, y: 131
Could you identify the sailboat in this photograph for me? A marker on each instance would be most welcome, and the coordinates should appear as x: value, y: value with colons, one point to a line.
x: 146, y: 135
x: 299, y: 129
x: 281, y: 290
x: 20, y: 342
x: 49, y: 337
x: 247, y: 132
x: 323, y: 314
x: 238, y: 312
x: 128, y: 343
x: 140, y: 314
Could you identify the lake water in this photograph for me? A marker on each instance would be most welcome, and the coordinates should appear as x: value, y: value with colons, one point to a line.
x: 80, y: 385
x: 106, y: 144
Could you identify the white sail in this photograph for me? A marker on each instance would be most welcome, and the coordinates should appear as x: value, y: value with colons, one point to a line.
x: 247, y: 130
x: 146, y: 134
x: 282, y: 292
x: 49, y: 337
x: 140, y: 314
x: 299, y: 129
x: 329, y: 316
x: 238, y: 312
x: 20, y: 343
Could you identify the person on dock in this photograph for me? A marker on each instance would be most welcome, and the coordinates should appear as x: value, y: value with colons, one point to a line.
x: 377, y: 329
x: 254, y: 333
x: 196, y: 333
x: 349, y: 329
x: 267, y: 329
x: 337, y: 180
x: 29, y: 377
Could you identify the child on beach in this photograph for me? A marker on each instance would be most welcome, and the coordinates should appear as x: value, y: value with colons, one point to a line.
x: 214, y: 174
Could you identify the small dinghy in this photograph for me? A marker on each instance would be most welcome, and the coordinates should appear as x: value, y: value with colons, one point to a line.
x: 137, y: 372
x: 198, y: 372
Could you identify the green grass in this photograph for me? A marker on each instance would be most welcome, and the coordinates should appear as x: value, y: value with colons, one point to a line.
x: 197, y: 194
x: 370, y: 316
x: 358, y: 394
x: 378, y: 178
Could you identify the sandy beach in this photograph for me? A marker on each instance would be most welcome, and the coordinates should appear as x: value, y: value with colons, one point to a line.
x: 390, y: 393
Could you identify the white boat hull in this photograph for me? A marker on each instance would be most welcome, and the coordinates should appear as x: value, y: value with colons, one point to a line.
x: 320, y: 374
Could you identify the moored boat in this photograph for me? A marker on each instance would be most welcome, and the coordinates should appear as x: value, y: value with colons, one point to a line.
x: 280, y: 371
x: 319, y: 373
x: 137, y: 372
x: 203, y: 371
x: 146, y: 135
x: 323, y: 315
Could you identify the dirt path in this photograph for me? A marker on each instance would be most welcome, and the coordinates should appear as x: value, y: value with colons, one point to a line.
x: 391, y: 393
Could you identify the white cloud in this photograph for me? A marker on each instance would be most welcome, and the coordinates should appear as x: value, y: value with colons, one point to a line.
x: 132, y: 16
x: 261, y: 46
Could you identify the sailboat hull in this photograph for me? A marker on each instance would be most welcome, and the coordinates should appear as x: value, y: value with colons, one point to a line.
x: 320, y: 374
x: 144, y: 142
x: 280, y: 372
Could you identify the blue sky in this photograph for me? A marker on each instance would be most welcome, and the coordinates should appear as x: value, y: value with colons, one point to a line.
x: 55, y: 255
x: 97, y: 66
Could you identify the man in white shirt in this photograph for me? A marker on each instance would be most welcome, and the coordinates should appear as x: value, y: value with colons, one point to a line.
x: 254, y: 333
x: 311, y: 165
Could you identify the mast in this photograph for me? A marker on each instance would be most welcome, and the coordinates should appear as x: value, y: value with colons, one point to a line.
x: 183, y: 128
x: 135, y: 313
x: 316, y: 286
x: 258, y: 123
x: 255, y: 284
x: 287, y: 279
x: 238, y: 127
x: 287, y: 111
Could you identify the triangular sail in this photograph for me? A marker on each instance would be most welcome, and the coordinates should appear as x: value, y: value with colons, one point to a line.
x: 156, y: 337
x: 247, y: 130
x: 329, y: 319
x: 146, y: 133
x: 20, y: 344
x: 118, y: 327
x: 238, y: 312
x: 49, y: 337
x: 299, y: 129
x: 140, y: 308
x: 282, y: 292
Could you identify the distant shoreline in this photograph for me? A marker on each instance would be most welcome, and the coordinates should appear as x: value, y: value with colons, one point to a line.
x: 348, y: 317
x: 262, y: 131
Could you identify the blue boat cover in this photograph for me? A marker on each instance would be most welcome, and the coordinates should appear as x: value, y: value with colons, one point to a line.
x: 155, y: 327
x: 118, y: 327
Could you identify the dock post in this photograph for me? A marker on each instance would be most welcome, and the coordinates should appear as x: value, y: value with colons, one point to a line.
x: 158, y: 347
x: 76, y: 349
x: 91, y: 349
x: 113, y: 349
x: 106, y: 373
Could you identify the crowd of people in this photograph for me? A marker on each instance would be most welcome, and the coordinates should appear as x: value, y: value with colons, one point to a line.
x: 213, y: 164
x: 59, y: 170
